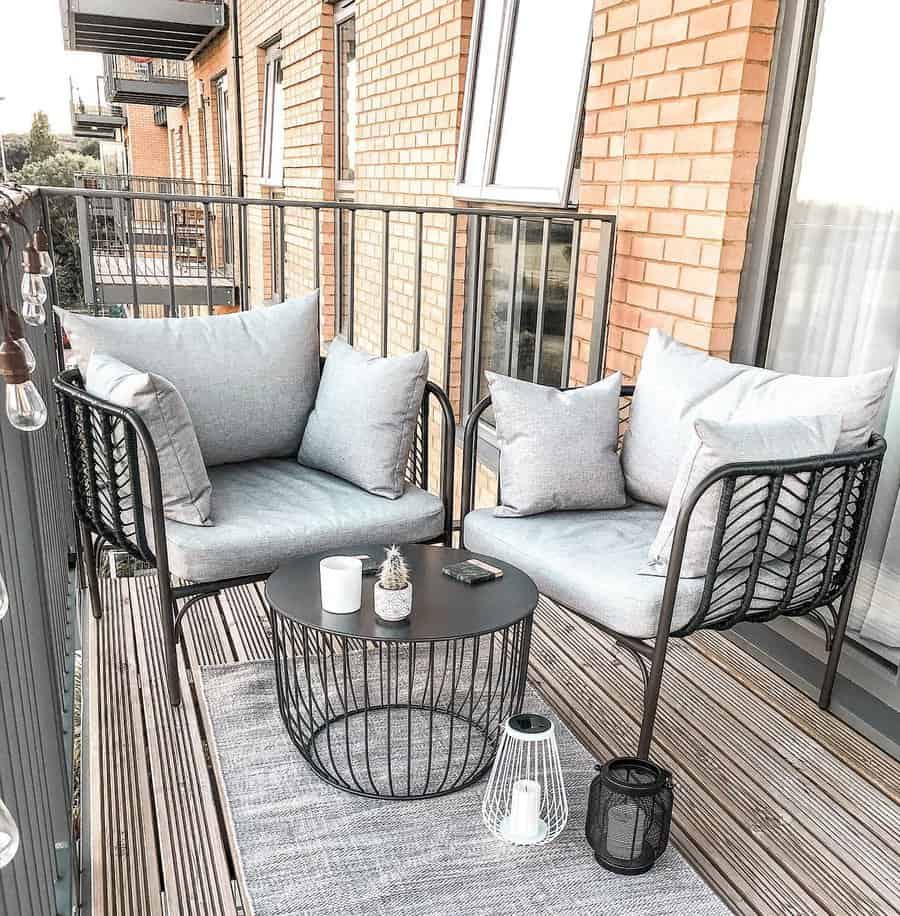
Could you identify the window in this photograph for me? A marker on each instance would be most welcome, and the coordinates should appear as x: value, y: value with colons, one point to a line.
x: 345, y: 91
x: 224, y: 150
x: 528, y: 64
x: 520, y: 335
x: 272, y: 165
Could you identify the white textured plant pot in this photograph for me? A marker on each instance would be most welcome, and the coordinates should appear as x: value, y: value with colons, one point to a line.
x: 393, y: 605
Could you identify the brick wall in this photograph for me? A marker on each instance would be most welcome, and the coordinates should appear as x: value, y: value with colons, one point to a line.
x: 147, y: 144
x: 672, y: 136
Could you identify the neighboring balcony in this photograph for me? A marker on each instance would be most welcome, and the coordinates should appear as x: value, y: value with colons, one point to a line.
x: 174, y: 29
x: 99, y: 122
x: 141, y: 81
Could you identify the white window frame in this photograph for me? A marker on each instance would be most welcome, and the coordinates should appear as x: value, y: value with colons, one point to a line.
x: 271, y: 167
x: 562, y: 194
x: 343, y: 11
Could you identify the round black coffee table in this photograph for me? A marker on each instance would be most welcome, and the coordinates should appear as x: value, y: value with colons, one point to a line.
x: 409, y: 710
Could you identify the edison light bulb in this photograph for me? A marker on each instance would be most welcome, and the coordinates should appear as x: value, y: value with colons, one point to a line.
x: 33, y: 288
x: 46, y: 263
x: 4, y: 599
x: 9, y: 836
x: 30, y: 358
x: 33, y: 312
x: 25, y: 408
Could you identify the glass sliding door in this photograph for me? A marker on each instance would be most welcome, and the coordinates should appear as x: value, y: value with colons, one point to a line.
x: 834, y: 308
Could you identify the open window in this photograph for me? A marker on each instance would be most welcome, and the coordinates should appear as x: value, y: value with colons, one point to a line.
x: 272, y: 163
x: 528, y: 66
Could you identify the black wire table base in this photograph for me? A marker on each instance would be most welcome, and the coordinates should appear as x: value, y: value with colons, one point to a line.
x: 396, y: 719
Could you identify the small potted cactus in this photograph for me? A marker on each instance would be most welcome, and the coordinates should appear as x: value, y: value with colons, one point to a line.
x: 393, y: 590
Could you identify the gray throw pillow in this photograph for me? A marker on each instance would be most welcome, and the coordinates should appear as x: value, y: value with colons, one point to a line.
x: 715, y: 444
x: 186, y: 489
x: 364, y: 420
x: 557, y: 448
x: 678, y: 385
x: 249, y: 379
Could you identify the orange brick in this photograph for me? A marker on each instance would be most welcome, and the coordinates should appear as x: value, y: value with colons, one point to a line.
x: 676, y: 302
x: 694, y: 139
x: 653, y: 195
x: 643, y: 296
x: 667, y: 223
x: 692, y: 334
x: 684, y: 251
x: 658, y: 141
x: 662, y: 274
x: 647, y: 247
x: 697, y: 82
x: 667, y: 86
x: 731, y: 46
x: 704, y: 226
x: 709, y: 22
x: 689, y: 197
x: 672, y: 169
x: 655, y: 319
x: 649, y: 62
x: 670, y: 31
x: 680, y: 57
x: 621, y: 17
x: 653, y: 9
x: 680, y: 112
x: 646, y: 115
x: 718, y: 108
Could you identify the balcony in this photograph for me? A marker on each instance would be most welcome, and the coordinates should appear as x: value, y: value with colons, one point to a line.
x: 160, y: 117
x: 780, y: 807
x: 145, y: 82
x: 174, y: 29
x: 98, y: 121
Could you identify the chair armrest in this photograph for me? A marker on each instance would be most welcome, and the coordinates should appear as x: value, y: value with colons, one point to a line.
x: 852, y: 478
x: 434, y: 392
x: 105, y: 474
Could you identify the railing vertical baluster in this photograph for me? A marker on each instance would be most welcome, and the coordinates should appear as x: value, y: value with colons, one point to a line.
x: 570, y: 304
x: 339, y: 268
x: 54, y: 285
x: 245, y: 260
x: 511, y: 322
x: 317, y: 280
x: 207, y: 242
x: 129, y: 233
x: 417, y: 284
x: 542, y: 291
x: 385, y: 282
x: 351, y: 305
x: 448, y: 311
x: 172, y: 310
x: 478, y: 304
x: 282, y: 255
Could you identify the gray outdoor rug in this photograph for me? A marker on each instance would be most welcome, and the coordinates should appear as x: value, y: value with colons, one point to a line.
x: 307, y: 848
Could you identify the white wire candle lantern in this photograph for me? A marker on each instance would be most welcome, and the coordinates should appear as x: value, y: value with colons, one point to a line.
x: 525, y: 801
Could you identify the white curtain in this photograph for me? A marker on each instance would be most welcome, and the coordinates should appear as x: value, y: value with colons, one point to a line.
x: 837, y: 306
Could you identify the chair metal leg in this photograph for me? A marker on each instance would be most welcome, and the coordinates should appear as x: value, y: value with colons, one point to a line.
x: 89, y: 560
x: 837, y: 644
x: 651, y: 694
x: 168, y: 610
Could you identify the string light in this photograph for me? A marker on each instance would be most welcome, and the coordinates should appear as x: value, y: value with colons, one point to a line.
x: 34, y: 290
x: 9, y: 836
x: 41, y: 242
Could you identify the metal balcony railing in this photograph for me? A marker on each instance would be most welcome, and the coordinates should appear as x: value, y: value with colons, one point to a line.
x: 143, y: 81
x: 99, y: 120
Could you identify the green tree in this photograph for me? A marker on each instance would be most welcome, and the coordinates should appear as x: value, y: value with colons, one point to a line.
x: 16, y: 148
x: 41, y: 142
x: 90, y: 148
x: 59, y: 171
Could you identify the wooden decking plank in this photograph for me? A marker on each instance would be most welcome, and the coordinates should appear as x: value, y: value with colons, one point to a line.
x: 125, y: 865
x: 789, y: 749
x: 197, y: 881
x: 245, y: 610
x: 838, y: 739
x: 768, y: 850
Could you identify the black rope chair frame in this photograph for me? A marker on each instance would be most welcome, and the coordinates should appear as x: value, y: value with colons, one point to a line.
x: 788, y: 542
x: 114, y: 479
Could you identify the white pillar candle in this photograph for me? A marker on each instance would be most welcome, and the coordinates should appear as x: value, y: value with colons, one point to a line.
x: 525, y: 809
x: 341, y: 581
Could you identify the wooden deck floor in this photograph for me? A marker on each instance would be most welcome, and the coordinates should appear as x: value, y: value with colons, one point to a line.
x: 782, y: 808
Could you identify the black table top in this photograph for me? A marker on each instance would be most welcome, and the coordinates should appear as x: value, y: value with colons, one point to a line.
x: 442, y: 608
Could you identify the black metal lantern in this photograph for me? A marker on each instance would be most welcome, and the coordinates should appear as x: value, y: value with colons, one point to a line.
x: 629, y: 814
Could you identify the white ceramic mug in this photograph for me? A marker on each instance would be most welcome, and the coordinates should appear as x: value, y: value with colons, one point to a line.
x: 341, y: 579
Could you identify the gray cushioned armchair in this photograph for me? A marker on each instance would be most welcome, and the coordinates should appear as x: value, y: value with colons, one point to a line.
x: 590, y: 561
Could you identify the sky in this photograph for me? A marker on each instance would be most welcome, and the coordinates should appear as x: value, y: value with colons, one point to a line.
x: 35, y: 70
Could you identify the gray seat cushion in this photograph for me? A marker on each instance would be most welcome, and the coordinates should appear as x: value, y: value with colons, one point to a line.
x: 249, y: 380
x: 588, y: 561
x: 266, y: 511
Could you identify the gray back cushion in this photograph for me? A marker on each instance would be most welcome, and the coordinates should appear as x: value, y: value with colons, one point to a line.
x: 678, y: 385
x: 715, y: 444
x: 557, y: 448
x: 185, y: 484
x: 364, y: 420
x: 249, y: 379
